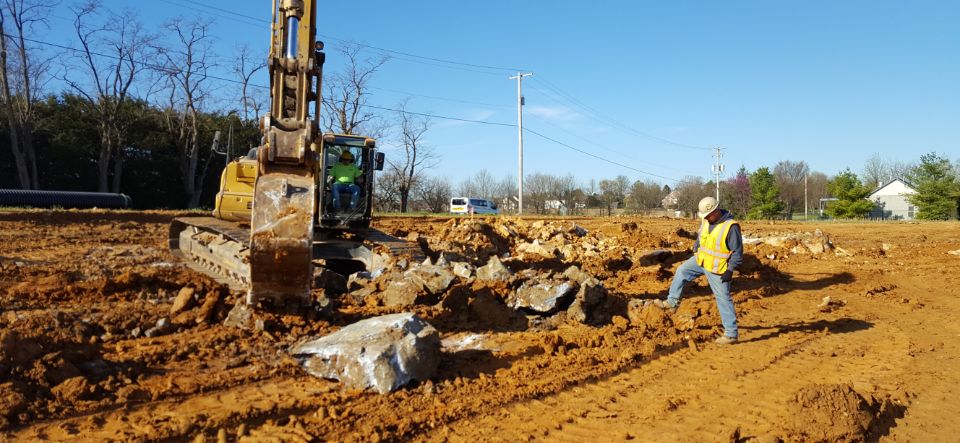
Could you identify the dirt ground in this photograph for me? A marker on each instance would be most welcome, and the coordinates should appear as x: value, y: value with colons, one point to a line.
x: 82, y: 357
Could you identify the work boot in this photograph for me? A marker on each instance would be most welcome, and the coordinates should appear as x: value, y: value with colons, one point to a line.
x: 662, y: 304
x: 725, y: 340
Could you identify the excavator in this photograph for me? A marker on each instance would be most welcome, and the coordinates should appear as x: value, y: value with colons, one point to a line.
x: 274, y: 215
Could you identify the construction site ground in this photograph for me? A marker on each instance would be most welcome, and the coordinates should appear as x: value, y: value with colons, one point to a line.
x: 82, y: 357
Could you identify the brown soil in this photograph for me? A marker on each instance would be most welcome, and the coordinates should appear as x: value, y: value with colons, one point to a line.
x: 91, y: 349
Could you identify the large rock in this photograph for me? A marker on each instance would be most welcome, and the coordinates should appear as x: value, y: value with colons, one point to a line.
x: 538, y: 249
x: 434, y: 278
x: 402, y: 292
x: 493, y: 270
x: 332, y: 282
x: 545, y: 297
x: 576, y: 274
x: 587, y: 306
x: 380, y: 353
x: 463, y: 270
x: 183, y: 301
x: 240, y: 317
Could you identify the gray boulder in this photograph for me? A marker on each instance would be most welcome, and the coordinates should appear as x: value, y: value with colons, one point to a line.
x: 493, y: 270
x: 545, y: 297
x: 380, y: 353
x: 434, y: 278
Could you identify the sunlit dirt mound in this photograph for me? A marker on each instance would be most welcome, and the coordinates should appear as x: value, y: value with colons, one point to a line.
x: 835, y: 413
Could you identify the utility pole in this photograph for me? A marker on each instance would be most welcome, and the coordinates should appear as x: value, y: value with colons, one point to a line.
x: 805, y: 216
x: 519, y: 77
x: 717, y: 169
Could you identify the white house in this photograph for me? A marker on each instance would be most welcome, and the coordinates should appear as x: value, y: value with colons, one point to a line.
x: 890, y: 201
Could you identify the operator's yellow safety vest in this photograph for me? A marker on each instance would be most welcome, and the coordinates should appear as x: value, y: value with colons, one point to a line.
x: 713, y: 253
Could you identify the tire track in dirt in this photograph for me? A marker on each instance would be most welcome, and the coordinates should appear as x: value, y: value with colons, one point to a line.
x: 177, y: 418
x: 707, y: 395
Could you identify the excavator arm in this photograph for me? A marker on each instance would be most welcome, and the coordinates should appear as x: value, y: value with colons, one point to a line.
x: 284, y: 202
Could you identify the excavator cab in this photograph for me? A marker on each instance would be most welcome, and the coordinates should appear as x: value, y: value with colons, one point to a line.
x: 351, y: 206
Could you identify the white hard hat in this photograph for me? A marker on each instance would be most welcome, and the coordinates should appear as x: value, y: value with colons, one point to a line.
x: 707, y: 205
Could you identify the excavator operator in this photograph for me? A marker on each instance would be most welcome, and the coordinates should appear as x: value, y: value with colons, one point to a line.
x: 345, y: 175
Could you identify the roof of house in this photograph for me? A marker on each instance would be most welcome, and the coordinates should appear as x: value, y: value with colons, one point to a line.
x: 889, y: 186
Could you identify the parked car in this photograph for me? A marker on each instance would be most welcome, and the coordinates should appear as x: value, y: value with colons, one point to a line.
x: 470, y: 205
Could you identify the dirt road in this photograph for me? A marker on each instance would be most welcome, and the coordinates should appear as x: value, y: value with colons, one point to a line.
x: 82, y: 357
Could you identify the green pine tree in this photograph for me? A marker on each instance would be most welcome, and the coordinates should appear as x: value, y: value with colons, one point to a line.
x: 765, y: 194
x: 851, y: 196
x: 938, y: 189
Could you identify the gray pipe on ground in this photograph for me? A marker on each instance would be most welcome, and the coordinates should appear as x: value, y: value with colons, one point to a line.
x: 63, y: 199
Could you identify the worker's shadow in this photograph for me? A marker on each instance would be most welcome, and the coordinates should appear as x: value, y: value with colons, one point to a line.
x: 843, y: 325
x: 766, y: 280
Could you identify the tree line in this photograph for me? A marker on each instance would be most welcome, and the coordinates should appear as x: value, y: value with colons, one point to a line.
x: 138, y: 110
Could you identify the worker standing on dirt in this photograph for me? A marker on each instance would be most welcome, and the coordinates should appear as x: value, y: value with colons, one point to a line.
x: 344, y: 176
x: 718, y: 251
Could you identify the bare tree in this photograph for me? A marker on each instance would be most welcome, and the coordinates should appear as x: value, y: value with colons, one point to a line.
x: 537, y: 188
x: 563, y: 191
x: 878, y: 171
x: 434, y: 193
x: 507, y: 192
x: 790, y: 176
x: 417, y: 156
x: 817, y: 189
x: 245, y: 66
x: 388, y: 193
x: 874, y: 171
x: 111, y: 60
x: 186, y: 63
x: 21, y: 92
x: 481, y: 185
x: 690, y: 190
x: 614, y: 191
x: 346, y: 94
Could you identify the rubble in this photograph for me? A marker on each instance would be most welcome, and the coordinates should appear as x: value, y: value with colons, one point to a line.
x: 183, y: 301
x: 240, y: 317
x: 493, y: 270
x: 587, y: 303
x: 543, y: 297
x: 381, y: 353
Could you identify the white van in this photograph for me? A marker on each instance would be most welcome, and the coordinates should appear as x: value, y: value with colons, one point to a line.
x: 469, y: 205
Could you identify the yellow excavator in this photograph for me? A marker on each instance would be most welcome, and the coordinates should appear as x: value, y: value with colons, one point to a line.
x: 275, y: 212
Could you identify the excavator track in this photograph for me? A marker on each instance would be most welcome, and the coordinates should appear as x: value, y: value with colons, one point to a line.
x: 213, y: 247
x: 219, y: 249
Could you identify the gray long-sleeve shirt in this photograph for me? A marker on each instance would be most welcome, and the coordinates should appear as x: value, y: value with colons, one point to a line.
x: 734, y: 241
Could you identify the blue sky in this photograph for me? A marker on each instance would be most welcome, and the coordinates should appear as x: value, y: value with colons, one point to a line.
x: 648, y: 85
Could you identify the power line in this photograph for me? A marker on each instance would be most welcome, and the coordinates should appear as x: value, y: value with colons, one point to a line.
x: 604, y: 147
x: 597, y: 115
x: 383, y: 108
x: 434, y: 97
x: 597, y: 156
x: 259, y: 21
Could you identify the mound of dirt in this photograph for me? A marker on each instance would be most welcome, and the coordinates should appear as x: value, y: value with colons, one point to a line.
x: 832, y: 413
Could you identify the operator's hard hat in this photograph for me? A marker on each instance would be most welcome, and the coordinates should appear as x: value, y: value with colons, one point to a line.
x: 346, y: 155
x: 707, y: 205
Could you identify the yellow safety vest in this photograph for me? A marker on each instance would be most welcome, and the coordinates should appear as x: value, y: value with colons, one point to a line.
x: 713, y: 254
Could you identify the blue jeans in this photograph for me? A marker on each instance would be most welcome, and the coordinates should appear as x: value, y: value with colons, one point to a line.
x: 354, y: 194
x: 689, y: 271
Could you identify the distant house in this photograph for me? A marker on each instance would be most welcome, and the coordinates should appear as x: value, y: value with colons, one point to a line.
x: 890, y: 201
x: 670, y: 201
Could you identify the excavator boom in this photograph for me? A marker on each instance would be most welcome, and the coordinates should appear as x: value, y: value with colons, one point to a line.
x: 281, y: 227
